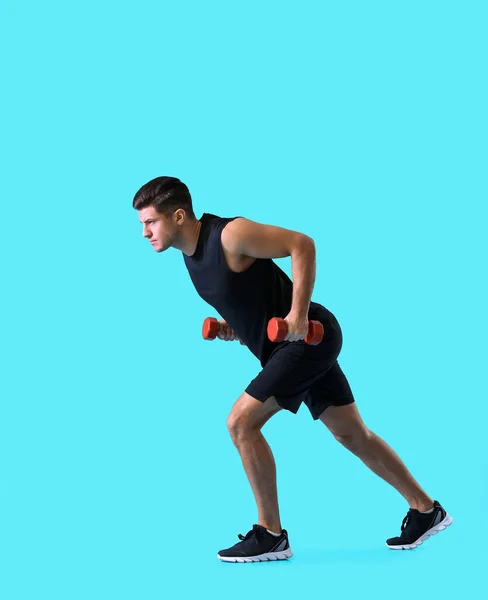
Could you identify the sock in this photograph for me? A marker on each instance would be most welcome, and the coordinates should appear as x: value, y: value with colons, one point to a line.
x: 426, y: 512
x: 273, y: 533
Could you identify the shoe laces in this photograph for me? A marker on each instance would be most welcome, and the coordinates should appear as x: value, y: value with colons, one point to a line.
x: 408, y: 517
x: 249, y: 534
x: 406, y: 520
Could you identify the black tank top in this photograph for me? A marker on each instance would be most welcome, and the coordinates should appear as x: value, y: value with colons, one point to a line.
x: 247, y: 300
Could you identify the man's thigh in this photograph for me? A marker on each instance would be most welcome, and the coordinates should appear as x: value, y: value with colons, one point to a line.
x: 343, y: 421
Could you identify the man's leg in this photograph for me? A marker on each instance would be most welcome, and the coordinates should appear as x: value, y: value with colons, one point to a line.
x: 346, y: 425
x: 245, y: 421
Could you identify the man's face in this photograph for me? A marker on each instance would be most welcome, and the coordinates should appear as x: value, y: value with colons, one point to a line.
x: 157, y: 228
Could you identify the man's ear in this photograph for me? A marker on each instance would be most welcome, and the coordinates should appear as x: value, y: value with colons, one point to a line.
x: 179, y: 215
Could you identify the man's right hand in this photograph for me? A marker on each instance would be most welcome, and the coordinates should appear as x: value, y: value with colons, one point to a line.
x: 226, y: 333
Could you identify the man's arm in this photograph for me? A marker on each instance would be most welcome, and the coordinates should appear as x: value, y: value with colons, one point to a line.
x: 248, y: 238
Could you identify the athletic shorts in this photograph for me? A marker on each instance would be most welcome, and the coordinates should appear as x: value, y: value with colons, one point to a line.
x: 297, y: 372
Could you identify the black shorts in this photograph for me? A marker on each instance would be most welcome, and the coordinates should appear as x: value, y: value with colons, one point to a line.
x: 297, y: 372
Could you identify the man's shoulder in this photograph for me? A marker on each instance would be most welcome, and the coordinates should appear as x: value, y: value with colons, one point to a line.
x: 216, y: 220
x: 230, y: 233
x: 223, y: 225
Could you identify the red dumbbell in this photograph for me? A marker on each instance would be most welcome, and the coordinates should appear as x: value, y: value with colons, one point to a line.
x: 278, y: 330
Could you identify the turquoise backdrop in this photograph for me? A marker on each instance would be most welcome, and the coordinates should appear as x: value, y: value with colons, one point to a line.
x: 361, y: 124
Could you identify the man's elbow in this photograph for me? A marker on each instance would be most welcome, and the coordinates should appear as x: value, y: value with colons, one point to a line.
x: 307, y: 241
x: 303, y: 243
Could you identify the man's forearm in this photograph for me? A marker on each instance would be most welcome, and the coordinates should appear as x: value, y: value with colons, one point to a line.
x: 303, y: 274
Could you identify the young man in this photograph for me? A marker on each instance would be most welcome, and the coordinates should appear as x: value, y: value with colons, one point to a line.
x: 230, y: 263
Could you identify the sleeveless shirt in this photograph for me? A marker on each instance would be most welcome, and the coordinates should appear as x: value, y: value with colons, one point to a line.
x: 246, y: 300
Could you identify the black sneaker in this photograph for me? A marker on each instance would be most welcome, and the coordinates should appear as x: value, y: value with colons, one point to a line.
x: 417, y: 527
x: 258, y: 546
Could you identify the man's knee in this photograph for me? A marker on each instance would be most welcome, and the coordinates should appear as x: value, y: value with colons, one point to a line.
x: 249, y: 415
x: 354, y: 438
x: 346, y: 425
x: 238, y: 424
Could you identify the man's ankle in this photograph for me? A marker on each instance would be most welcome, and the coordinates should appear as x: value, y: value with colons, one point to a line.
x: 273, y: 527
x: 422, y: 505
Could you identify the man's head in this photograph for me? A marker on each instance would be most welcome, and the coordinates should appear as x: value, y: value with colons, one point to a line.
x: 164, y: 206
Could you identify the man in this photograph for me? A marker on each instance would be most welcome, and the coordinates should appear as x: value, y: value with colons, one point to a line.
x: 230, y: 263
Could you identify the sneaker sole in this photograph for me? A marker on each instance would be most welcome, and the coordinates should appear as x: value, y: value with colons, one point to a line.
x: 434, y: 531
x: 259, y: 558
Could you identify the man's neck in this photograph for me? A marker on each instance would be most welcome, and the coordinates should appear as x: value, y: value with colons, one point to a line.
x: 189, y: 240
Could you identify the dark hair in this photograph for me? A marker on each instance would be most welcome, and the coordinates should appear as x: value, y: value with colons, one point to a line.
x: 166, y: 194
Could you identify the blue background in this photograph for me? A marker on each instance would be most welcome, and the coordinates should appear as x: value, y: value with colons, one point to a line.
x: 361, y: 124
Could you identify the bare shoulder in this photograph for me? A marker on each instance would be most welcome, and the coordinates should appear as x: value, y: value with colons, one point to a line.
x: 244, y: 237
x: 236, y: 260
x: 233, y: 232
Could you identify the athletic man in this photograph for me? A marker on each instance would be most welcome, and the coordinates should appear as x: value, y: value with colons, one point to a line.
x: 230, y: 263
